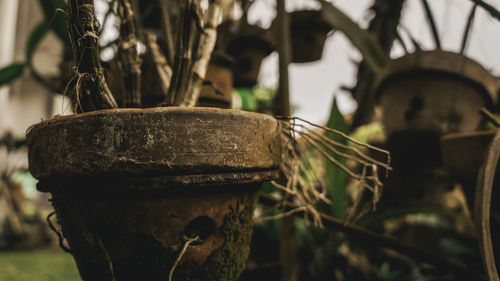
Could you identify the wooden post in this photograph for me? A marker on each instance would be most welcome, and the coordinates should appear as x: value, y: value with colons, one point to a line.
x: 288, y: 235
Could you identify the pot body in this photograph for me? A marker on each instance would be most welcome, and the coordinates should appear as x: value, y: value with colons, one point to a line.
x: 308, y: 44
x: 247, y: 67
x: 430, y: 102
x: 137, y: 235
x: 130, y: 185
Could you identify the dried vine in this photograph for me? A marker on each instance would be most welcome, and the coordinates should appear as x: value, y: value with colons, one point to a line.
x: 88, y: 88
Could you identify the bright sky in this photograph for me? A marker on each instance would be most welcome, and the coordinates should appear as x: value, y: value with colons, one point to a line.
x: 313, y: 85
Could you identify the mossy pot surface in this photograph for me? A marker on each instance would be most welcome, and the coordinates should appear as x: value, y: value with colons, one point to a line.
x: 130, y: 185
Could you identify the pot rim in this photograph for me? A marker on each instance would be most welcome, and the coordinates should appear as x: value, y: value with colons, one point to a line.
x: 467, y: 135
x: 443, y: 62
x: 154, y: 142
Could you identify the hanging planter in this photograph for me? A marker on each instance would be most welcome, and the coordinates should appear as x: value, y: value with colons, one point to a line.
x: 248, y: 49
x: 308, y: 33
x: 426, y: 94
x: 218, y: 92
x: 435, y: 91
x: 132, y: 186
x: 423, y: 96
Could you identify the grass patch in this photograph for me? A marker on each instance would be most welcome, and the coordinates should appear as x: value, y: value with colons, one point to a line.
x: 38, y: 265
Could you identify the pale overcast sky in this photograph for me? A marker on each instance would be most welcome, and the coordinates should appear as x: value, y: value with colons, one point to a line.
x: 313, y: 85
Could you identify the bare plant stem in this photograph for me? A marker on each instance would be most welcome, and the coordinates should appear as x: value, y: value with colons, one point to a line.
x: 167, y: 31
x: 182, y: 53
x: 128, y: 57
x: 206, y: 45
x: 88, y: 87
x: 162, y: 67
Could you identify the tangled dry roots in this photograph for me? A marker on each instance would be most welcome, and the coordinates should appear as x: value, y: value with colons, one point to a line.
x: 304, y: 180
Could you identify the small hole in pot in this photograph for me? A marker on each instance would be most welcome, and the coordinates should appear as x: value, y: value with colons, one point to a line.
x: 202, y: 227
x: 417, y: 103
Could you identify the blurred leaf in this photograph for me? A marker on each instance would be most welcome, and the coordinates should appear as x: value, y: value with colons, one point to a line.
x: 35, y: 37
x: 53, y: 11
x: 248, y: 100
x: 360, y: 38
x: 336, y: 179
x: 11, y: 72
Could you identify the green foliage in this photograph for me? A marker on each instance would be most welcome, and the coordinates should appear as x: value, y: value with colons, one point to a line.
x: 35, y: 37
x: 360, y: 38
x: 256, y: 98
x: 53, y: 20
x: 40, y: 265
x: 11, y: 72
x: 54, y: 11
x: 336, y: 179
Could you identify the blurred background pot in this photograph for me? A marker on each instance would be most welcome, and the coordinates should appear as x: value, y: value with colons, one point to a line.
x: 308, y: 33
x: 248, y: 49
x: 218, y: 91
x: 435, y: 91
x: 131, y: 185
x: 423, y: 96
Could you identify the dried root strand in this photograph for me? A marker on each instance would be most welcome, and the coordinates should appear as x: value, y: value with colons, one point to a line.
x: 304, y: 180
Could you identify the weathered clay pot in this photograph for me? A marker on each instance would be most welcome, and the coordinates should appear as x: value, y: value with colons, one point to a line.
x: 434, y: 91
x: 129, y: 185
x: 219, y: 92
x: 423, y: 96
x: 249, y: 48
x: 308, y: 33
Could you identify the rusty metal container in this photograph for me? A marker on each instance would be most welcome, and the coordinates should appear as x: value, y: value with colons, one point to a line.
x: 129, y: 185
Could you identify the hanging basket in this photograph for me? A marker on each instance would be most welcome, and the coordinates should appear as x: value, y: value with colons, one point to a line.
x: 435, y: 91
x: 130, y: 186
x: 308, y: 34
